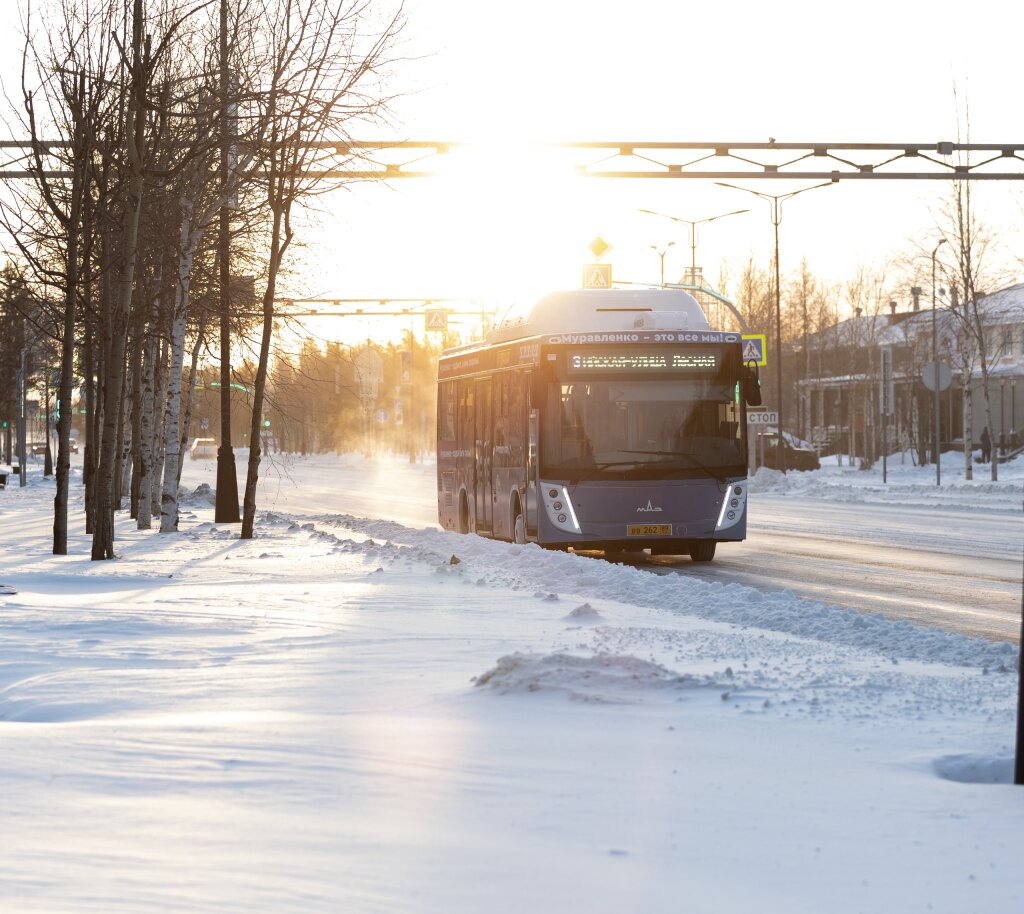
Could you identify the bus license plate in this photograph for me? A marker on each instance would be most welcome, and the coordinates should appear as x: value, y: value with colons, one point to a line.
x: 648, y: 530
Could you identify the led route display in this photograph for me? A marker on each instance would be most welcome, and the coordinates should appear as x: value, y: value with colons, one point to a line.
x: 702, y: 360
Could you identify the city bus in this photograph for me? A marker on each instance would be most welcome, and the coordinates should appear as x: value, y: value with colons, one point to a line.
x: 610, y: 420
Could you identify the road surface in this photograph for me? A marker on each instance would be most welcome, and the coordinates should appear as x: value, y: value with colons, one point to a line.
x: 954, y: 561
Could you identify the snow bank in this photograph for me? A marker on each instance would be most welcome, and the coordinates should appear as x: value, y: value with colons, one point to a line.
x: 531, y: 568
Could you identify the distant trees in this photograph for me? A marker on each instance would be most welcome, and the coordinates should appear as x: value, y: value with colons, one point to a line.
x: 316, y: 402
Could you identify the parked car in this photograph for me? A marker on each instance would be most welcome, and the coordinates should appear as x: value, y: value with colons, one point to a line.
x: 797, y: 458
x: 37, y: 447
x: 203, y: 449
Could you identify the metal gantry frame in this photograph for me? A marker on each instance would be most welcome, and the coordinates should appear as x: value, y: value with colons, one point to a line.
x: 348, y: 307
x: 717, y: 161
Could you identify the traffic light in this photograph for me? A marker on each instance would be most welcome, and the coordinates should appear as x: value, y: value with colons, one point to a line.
x: 4, y: 424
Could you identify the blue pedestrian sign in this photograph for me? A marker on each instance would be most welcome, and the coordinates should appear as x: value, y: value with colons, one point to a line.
x: 754, y: 349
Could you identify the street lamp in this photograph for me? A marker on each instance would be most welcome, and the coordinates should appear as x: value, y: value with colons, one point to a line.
x: 693, y: 223
x: 1002, y: 416
x: 662, y: 254
x: 776, y: 201
x: 1013, y: 411
x: 935, y: 375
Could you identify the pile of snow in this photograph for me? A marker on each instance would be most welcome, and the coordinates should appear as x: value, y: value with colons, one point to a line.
x: 596, y: 678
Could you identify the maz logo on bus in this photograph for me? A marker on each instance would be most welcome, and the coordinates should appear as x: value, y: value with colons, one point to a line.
x: 647, y: 509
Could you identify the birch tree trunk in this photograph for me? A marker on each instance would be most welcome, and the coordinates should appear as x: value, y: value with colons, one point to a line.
x: 106, y: 495
x: 190, y: 398
x: 144, y: 510
x: 172, y: 434
x: 138, y: 406
x: 67, y: 363
x: 968, y: 428
x: 122, y: 470
x: 159, y: 429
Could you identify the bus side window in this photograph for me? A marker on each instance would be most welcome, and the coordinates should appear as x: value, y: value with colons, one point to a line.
x: 447, y: 411
x: 465, y: 427
x: 516, y: 417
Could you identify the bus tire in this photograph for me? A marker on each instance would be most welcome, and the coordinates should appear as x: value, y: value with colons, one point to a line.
x: 463, y: 512
x: 702, y: 550
x: 518, y: 524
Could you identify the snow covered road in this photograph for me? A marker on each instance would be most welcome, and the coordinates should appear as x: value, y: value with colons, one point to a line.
x: 949, y: 556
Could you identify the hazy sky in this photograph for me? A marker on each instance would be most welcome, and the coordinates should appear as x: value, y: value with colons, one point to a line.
x: 561, y: 70
x: 649, y: 70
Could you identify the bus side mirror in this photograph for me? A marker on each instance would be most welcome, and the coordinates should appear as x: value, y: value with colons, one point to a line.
x: 751, y: 386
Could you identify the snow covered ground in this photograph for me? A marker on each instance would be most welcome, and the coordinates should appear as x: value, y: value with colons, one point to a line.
x: 358, y: 712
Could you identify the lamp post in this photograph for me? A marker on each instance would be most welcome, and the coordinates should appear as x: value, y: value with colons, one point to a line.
x: 935, y: 362
x: 776, y: 201
x: 1013, y: 409
x: 693, y: 223
x: 1002, y: 416
x: 662, y: 254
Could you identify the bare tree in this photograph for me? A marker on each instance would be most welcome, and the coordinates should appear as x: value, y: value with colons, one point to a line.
x: 322, y: 76
x: 972, y: 274
x: 70, y: 98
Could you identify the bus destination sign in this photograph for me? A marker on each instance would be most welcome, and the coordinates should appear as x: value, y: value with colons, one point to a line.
x: 645, y: 360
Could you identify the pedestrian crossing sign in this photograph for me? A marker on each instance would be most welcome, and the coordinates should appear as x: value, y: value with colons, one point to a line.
x: 437, y: 319
x: 754, y: 349
x: 597, y: 276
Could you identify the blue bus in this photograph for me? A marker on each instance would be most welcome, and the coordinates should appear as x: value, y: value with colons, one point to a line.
x: 609, y: 420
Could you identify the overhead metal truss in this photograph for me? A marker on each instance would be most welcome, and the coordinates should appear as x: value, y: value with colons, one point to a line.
x: 350, y: 307
x: 392, y: 159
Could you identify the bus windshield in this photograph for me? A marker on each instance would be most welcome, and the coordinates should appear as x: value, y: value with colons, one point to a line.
x: 652, y: 428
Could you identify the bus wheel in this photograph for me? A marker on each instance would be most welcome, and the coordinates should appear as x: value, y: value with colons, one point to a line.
x: 518, y: 526
x: 463, y: 514
x: 702, y: 550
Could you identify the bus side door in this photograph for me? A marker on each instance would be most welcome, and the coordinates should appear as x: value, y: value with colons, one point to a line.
x: 483, y: 456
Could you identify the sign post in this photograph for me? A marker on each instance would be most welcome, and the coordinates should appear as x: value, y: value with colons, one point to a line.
x: 758, y: 418
x: 886, y: 397
x: 936, y: 376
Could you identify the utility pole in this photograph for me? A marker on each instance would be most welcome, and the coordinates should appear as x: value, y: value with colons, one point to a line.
x: 776, y: 201
x: 226, y: 506
x: 935, y: 362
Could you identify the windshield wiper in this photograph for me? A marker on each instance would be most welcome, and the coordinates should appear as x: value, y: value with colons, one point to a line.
x: 697, y: 463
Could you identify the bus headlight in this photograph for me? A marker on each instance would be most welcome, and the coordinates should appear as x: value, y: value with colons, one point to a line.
x: 559, y: 509
x: 733, y: 505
